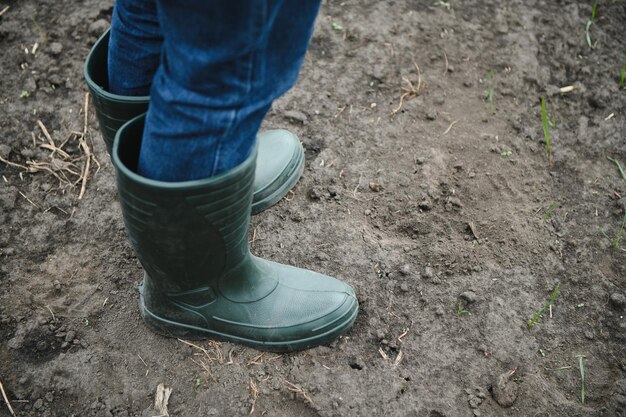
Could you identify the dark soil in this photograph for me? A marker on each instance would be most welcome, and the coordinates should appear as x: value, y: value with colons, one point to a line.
x: 446, y: 218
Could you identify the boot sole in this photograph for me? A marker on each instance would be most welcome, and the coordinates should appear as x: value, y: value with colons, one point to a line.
x: 178, y: 330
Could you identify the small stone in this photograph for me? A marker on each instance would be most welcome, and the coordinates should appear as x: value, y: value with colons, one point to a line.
x: 375, y: 187
x: 431, y: 115
x: 589, y: 335
x: 296, y: 116
x: 420, y: 160
x: 38, y: 404
x: 425, y: 205
x: 71, y: 335
x: 439, y: 100
x: 618, y: 301
x: 5, y: 150
x: 64, y: 345
x: 468, y: 296
x: 98, y: 27
x: 315, y: 194
x: 468, y: 83
x: 367, y: 212
x: 56, y: 284
x: 404, y: 287
x: 56, y: 48
x: 49, y: 397
x: 474, y: 401
x: 455, y: 201
x: 428, y: 272
x: 477, y: 413
x: 405, y: 270
x: 504, y: 390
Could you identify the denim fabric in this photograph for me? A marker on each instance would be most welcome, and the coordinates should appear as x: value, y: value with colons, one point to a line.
x: 221, y: 64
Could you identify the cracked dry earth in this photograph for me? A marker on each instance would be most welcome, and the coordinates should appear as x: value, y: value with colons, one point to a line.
x: 444, y: 214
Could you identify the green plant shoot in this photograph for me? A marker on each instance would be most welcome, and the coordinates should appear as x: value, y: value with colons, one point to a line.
x: 550, y: 210
x: 538, y: 314
x: 582, y: 378
x: 619, y: 167
x: 590, y: 22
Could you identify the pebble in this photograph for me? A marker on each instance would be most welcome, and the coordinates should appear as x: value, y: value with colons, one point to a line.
x: 468, y: 296
x: 98, y: 27
x: 420, y: 160
x: 431, y: 115
x: 315, y: 194
x: 504, y: 390
x: 69, y: 336
x: 405, y: 270
x: 428, y: 272
x: 38, y: 404
x: 5, y: 150
x: 375, y: 187
x: 425, y: 205
x: 296, y: 116
x: 618, y: 301
x: 56, y: 48
x: 404, y: 287
x: 468, y: 83
x: 439, y: 100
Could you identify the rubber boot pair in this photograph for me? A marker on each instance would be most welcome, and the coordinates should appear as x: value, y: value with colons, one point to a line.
x: 280, y: 159
x: 192, y: 240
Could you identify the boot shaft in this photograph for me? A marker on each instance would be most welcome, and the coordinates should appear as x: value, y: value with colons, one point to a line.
x: 193, y: 231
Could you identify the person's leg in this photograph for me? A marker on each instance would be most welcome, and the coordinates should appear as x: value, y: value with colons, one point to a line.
x: 134, y: 47
x: 222, y: 65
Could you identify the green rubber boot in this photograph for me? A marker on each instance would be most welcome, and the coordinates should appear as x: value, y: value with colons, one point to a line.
x: 280, y: 159
x: 200, y: 278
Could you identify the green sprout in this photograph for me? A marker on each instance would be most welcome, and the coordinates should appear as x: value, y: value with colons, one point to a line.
x: 590, y: 22
x: 444, y: 4
x: 582, y: 378
x: 24, y: 94
x: 616, y: 242
x: 460, y: 311
x: 548, y: 214
x: 337, y: 26
x: 546, y: 306
x: 546, y: 131
x: 506, y: 154
x: 619, y: 167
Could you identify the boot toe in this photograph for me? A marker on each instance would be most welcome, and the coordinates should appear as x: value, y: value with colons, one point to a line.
x: 280, y: 162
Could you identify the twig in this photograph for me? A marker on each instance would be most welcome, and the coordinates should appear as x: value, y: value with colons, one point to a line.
x: 301, y: 391
x: 45, y: 133
x: 411, y: 91
x: 86, y: 150
x: 29, y: 200
x: 450, y: 127
x: 3, y: 11
x: 51, y: 312
x: 13, y: 164
x: 254, y: 391
x: 446, y: 58
x: 4, y: 394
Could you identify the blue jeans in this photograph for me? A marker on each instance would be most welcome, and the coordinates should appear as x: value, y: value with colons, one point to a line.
x: 212, y: 69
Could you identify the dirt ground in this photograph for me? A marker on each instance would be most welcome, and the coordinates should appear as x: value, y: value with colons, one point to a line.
x: 443, y: 212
